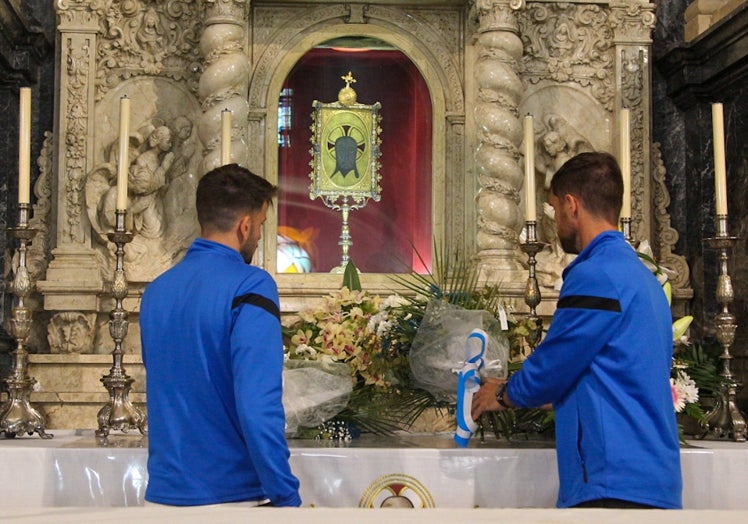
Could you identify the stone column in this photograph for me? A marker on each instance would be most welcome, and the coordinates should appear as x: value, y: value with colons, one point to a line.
x: 499, y: 132
x: 73, y: 281
x: 224, y: 83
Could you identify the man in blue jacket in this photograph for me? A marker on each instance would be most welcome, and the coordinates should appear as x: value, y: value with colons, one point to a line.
x: 604, y: 364
x: 213, y: 353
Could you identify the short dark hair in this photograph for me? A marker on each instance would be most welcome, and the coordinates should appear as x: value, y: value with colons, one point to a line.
x: 595, y: 179
x: 228, y: 192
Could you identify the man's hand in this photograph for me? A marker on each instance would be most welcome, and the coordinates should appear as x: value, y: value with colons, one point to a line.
x: 485, y: 398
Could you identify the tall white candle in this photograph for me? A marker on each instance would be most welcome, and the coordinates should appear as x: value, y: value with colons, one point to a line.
x: 720, y: 171
x: 225, y: 137
x: 123, y: 161
x: 529, y: 151
x: 24, y: 146
x: 625, y: 155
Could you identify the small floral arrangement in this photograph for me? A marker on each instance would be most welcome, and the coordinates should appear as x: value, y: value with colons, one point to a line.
x: 351, y: 327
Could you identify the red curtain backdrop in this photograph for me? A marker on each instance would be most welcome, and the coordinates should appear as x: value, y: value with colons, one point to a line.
x: 384, y: 233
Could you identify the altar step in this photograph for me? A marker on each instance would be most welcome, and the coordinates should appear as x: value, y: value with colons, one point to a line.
x: 68, y: 389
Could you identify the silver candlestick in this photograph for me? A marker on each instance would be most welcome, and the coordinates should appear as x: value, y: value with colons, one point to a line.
x: 119, y: 413
x: 724, y: 421
x: 532, y: 290
x: 17, y: 414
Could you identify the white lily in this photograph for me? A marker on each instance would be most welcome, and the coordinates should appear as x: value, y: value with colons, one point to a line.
x: 680, y: 327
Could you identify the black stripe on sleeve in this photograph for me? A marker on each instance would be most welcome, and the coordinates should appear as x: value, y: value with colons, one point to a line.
x: 590, y: 302
x: 259, y: 301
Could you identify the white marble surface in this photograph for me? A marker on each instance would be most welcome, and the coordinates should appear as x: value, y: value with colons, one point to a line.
x: 219, y: 515
x: 74, y: 470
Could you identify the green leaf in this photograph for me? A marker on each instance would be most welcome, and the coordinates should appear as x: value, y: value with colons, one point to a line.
x: 384, y: 412
x: 350, y: 277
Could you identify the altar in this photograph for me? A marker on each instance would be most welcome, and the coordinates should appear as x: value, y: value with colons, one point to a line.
x: 427, y: 471
x: 473, y: 70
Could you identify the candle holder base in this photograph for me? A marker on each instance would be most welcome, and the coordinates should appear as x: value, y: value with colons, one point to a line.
x: 18, y: 416
x: 119, y: 413
x: 725, y: 421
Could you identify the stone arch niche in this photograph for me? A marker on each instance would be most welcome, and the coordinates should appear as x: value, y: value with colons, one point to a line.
x: 431, y: 39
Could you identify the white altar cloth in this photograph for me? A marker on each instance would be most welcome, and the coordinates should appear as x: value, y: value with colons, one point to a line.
x: 229, y: 515
x: 73, y: 470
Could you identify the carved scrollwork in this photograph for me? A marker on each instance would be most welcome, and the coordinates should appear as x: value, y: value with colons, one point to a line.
x: 227, y: 8
x: 566, y: 42
x: 78, y: 12
x: 38, y: 252
x: 497, y: 15
x: 666, y: 236
x: 435, y: 32
x: 633, y: 21
x: 148, y: 38
x: 75, y: 134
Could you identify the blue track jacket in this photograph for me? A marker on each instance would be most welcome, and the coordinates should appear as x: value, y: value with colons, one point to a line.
x: 213, y: 378
x: 605, y: 367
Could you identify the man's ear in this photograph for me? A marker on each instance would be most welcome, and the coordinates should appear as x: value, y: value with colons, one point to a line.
x: 243, y: 226
x: 572, y: 204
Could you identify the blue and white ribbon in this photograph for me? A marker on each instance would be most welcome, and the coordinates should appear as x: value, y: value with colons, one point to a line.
x: 468, y: 383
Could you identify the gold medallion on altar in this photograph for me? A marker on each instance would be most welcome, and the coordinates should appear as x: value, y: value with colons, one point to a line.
x: 345, y: 156
x: 396, y: 491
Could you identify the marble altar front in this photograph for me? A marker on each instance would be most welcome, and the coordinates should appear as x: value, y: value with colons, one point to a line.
x: 427, y: 471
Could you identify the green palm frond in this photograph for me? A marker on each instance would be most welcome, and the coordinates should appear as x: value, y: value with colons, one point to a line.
x: 701, y: 366
x: 383, y: 413
x: 512, y: 422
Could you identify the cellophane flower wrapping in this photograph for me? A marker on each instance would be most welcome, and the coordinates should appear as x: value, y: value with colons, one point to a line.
x: 438, y: 349
x: 313, y: 392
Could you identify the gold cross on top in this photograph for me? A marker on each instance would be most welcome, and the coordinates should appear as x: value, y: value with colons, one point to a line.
x: 348, y: 79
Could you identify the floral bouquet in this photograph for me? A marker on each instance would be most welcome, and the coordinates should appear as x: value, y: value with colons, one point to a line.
x: 354, y: 329
x: 373, y: 336
x: 350, y: 327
